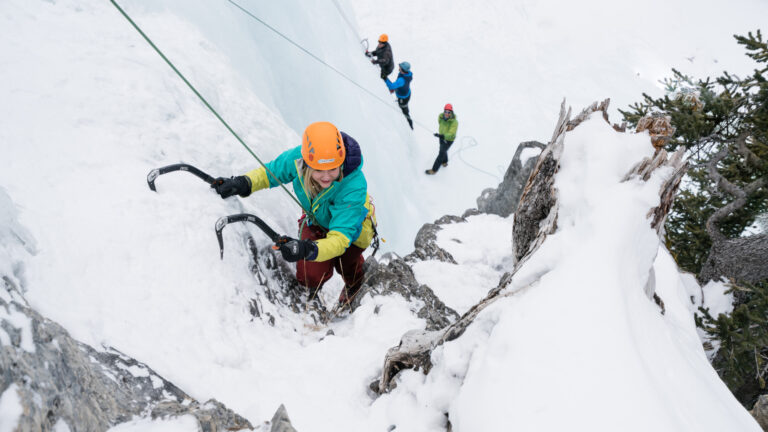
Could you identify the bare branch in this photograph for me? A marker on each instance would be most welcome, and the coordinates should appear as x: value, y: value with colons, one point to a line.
x: 740, y: 195
x: 745, y: 152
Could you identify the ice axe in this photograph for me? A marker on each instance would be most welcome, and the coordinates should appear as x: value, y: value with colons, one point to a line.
x: 177, y: 167
x: 247, y: 217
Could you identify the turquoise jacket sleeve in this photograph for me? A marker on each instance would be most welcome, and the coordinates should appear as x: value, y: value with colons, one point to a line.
x: 397, y: 84
x: 284, y: 167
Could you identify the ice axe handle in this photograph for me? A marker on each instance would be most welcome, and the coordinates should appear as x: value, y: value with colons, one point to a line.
x: 245, y: 217
x: 176, y: 167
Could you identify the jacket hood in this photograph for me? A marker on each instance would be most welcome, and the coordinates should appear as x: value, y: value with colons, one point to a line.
x: 354, y: 157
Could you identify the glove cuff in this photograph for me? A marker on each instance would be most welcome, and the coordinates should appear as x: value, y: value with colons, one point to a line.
x: 243, y: 184
x: 311, y: 250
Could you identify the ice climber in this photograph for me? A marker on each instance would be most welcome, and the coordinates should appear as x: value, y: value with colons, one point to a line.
x: 327, y: 176
x: 402, y: 89
x: 446, y: 133
x: 383, y: 54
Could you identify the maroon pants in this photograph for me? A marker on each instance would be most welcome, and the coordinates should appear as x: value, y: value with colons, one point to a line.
x: 314, y: 274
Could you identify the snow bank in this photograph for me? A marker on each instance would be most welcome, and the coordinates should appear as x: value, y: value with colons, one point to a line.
x: 583, y: 346
x: 10, y: 408
x: 481, y: 249
x: 185, y: 423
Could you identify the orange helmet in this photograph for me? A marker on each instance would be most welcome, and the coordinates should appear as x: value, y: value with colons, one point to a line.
x: 323, y: 147
x: 383, y: 37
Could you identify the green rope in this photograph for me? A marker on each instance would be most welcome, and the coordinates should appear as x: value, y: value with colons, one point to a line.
x: 146, y: 38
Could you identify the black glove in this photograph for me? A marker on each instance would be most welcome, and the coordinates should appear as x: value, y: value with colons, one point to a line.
x: 373, y: 61
x: 294, y: 250
x: 367, y: 54
x: 226, y: 187
x: 441, y: 136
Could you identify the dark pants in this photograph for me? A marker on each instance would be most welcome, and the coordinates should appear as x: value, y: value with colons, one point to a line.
x: 349, y: 265
x: 442, y: 156
x: 386, y: 70
x: 403, y: 103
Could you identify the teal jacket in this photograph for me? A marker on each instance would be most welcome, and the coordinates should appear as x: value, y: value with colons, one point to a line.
x: 344, y: 208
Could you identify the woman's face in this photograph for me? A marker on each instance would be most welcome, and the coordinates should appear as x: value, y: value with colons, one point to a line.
x: 326, y: 177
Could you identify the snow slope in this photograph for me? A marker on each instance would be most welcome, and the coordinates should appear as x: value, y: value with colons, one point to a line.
x: 88, y: 109
x: 582, y: 347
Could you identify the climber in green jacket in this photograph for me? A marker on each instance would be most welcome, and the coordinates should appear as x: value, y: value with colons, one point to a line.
x: 448, y: 125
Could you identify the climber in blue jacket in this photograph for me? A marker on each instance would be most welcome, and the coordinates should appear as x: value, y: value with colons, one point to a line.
x: 402, y: 89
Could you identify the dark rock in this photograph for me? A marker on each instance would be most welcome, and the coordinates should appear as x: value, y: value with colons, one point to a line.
x: 277, y: 286
x: 503, y: 200
x: 743, y: 259
x: 397, y: 277
x: 280, y: 421
x: 425, y: 244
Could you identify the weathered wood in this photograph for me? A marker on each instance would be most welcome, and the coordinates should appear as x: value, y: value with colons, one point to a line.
x: 539, y: 196
x: 668, y: 191
x: 659, y: 126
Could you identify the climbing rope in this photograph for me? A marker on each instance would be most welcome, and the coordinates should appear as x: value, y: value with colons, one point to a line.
x: 341, y: 74
x: 467, y: 142
x: 205, y: 102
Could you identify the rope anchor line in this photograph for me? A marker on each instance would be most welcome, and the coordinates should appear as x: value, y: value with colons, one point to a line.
x: 341, y: 74
x: 208, y: 105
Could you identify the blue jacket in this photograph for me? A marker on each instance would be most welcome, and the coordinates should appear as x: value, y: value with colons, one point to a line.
x: 343, y: 208
x: 402, y: 85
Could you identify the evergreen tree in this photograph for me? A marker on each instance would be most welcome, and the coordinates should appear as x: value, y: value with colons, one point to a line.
x: 742, y: 357
x: 726, y: 119
x: 723, y: 125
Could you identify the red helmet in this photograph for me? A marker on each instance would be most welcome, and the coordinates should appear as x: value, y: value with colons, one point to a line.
x: 448, y: 107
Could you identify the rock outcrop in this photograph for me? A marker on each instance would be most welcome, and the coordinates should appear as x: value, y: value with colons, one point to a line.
x: 741, y: 259
x: 280, y: 421
x: 57, y: 378
x: 503, y: 199
x: 396, y: 277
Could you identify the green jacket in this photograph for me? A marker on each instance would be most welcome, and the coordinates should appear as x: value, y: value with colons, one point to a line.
x: 448, y: 128
x: 343, y: 208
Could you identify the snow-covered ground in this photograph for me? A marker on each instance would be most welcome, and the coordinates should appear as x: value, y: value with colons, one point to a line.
x: 582, y: 347
x: 88, y: 109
